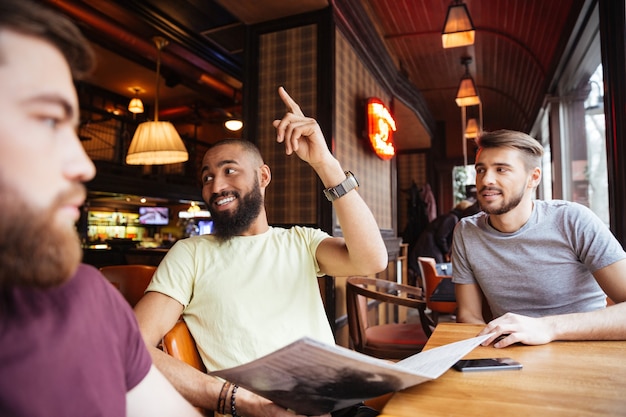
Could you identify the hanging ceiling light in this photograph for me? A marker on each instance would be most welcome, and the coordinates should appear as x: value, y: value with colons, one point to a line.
x: 233, y: 124
x: 458, y: 29
x: 156, y: 143
x: 135, y: 105
x: 473, y: 127
x: 471, y: 131
x: 467, y: 94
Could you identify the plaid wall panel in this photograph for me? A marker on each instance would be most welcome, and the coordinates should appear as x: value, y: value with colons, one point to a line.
x: 287, y: 58
x: 353, y: 85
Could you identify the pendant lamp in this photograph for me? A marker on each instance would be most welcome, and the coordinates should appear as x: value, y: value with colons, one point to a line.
x: 156, y: 142
x: 135, y: 105
x: 471, y: 131
x: 458, y: 29
x: 233, y: 124
x: 467, y: 94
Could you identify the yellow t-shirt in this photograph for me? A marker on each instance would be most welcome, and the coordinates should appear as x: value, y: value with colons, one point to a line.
x: 249, y: 296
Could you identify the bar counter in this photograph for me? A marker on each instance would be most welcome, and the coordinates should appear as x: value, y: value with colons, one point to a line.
x: 123, y: 256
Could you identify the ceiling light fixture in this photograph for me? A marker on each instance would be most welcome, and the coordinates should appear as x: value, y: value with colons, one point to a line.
x: 472, y: 122
x: 156, y: 143
x: 471, y: 131
x: 136, y: 105
x: 233, y: 124
x: 474, y: 116
x: 458, y: 29
x: 467, y: 95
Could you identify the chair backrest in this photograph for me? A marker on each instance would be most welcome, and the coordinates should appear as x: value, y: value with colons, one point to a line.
x: 360, y: 290
x: 179, y: 343
x: 356, y: 308
x: 130, y: 280
x: 430, y: 280
x: 428, y: 269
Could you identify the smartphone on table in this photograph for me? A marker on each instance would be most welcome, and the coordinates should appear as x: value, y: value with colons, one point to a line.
x: 487, y: 364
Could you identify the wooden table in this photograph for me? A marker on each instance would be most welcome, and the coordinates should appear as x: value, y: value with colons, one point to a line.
x: 558, y: 379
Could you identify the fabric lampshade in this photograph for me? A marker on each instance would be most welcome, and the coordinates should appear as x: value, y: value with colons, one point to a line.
x: 135, y: 105
x: 156, y: 143
x: 467, y: 94
x: 458, y: 29
x: 471, y: 132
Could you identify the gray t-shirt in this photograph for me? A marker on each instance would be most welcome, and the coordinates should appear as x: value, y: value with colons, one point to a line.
x: 544, y: 268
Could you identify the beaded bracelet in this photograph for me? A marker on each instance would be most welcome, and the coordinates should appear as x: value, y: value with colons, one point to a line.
x: 233, y: 410
x: 221, y: 401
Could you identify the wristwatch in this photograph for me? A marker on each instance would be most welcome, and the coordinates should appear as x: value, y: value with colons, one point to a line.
x: 349, y: 184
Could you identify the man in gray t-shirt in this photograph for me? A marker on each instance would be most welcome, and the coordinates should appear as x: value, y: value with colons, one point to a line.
x: 544, y: 268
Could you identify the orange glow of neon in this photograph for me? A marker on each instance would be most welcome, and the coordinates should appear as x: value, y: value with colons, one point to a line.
x: 380, y: 128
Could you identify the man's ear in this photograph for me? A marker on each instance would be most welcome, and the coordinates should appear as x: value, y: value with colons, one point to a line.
x: 535, y: 178
x: 266, y: 176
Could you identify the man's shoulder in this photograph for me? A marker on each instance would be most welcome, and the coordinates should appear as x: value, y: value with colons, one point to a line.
x: 193, y: 241
x: 561, y: 208
x: 304, y: 234
x: 88, y: 275
x: 558, y: 204
x: 295, y: 229
x: 472, y: 220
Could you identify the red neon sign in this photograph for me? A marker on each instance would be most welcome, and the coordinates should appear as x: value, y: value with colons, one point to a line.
x: 380, y: 128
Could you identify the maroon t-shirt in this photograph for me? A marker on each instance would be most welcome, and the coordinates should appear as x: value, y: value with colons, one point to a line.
x: 74, y: 350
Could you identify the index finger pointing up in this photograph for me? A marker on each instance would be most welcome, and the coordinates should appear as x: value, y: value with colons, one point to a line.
x: 292, y: 106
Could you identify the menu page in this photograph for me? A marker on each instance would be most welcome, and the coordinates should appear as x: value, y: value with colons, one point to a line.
x: 313, y: 378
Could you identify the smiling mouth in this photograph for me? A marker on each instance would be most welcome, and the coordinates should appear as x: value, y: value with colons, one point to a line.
x: 225, y: 201
x: 490, y: 193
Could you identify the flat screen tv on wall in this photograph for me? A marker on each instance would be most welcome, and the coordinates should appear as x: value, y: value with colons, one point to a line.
x: 158, y: 216
x: 205, y: 227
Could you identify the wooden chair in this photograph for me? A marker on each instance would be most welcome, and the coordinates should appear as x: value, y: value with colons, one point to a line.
x: 386, y: 341
x: 179, y: 343
x: 131, y: 280
x: 430, y: 281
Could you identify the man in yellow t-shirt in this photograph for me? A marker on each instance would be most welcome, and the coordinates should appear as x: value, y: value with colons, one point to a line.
x: 249, y: 289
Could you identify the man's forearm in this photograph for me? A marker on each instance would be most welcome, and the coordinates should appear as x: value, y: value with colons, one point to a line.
x: 605, y: 324
x: 366, y: 248
x: 465, y: 317
x: 197, y: 387
x: 203, y: 390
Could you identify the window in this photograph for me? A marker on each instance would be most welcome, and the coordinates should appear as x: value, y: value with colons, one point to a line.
x: 463, y: 180
x: 595, y: 171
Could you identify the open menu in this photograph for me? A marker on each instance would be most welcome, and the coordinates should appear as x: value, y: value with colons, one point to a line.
x: 314, y: 378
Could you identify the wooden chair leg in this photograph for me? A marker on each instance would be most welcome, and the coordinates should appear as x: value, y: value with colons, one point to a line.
x: 435, y: 316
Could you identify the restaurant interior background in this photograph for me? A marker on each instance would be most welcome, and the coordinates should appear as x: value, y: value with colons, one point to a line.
x: 535, y: 64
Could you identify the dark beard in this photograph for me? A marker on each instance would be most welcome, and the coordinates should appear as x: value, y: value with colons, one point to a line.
x: 34, y: 251
x: 228, y: 225
x: 506, y: 206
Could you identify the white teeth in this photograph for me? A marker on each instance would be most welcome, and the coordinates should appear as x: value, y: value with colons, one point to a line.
x: 225, y: 201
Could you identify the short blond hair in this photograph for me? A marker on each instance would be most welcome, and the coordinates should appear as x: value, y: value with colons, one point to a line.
x: 530, y: 148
